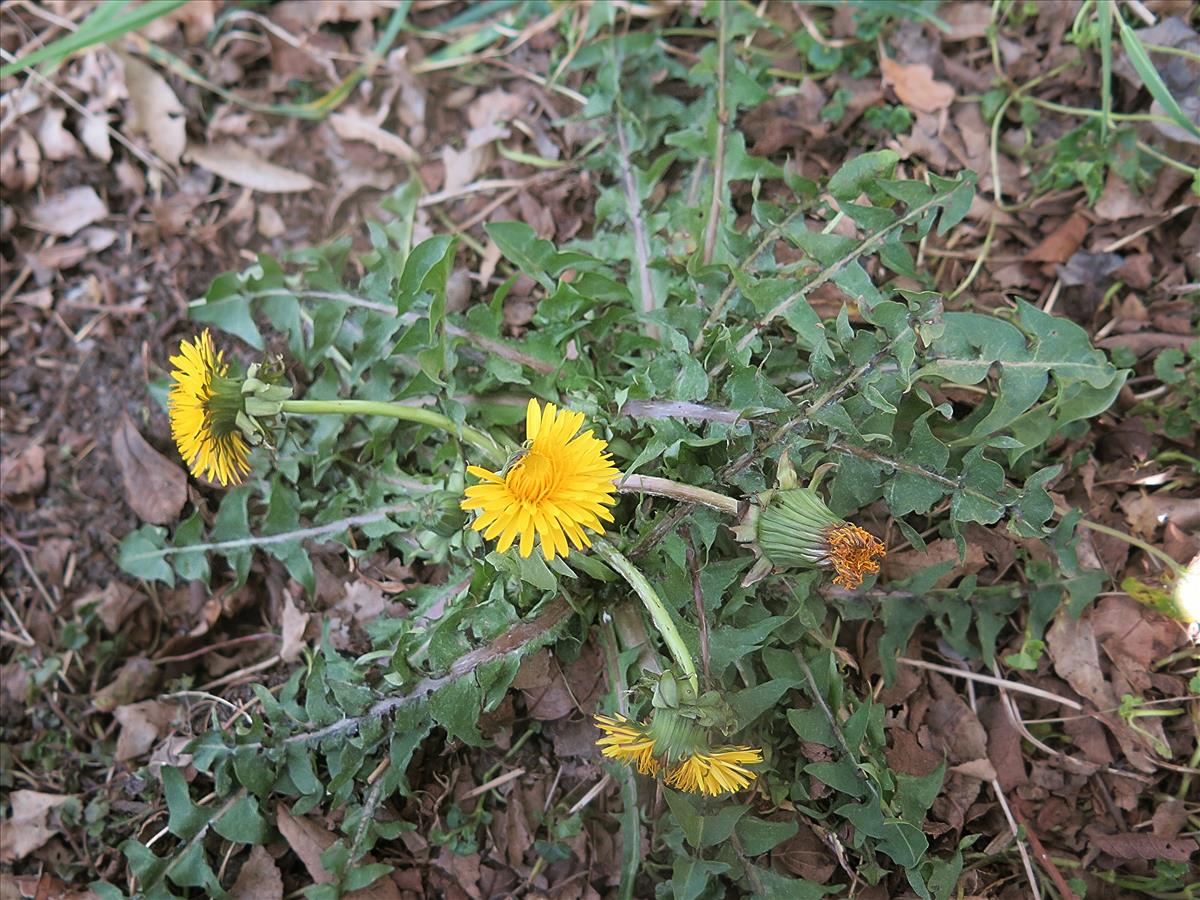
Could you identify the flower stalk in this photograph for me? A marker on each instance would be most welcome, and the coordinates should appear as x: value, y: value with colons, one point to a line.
x: 473, y: 436
x: 659, y: 614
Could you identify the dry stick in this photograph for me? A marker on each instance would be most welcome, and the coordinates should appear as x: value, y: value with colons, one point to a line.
x: 714, y: 208
x: 998, y: 790
x: 641, y: 244
x: 988, y: 679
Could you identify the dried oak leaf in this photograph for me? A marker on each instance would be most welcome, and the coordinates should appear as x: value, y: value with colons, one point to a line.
x: 29, y: 827
x: 67, y: 212
x: 309, y: 840
x: 915, y: 85
x: 259, y: 878
x: 155, y: 488
x: 24, y: 473
x: 1136, y: 845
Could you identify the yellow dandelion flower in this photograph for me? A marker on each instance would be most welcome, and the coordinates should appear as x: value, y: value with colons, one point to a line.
x: 715, y: 772
x: 203, y: 405
x: 553, y: 489
x: 678, y: 746
x: 628, y: 743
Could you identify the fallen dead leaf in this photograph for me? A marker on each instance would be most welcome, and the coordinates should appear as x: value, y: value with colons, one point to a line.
x: 155, y: 488
x: 351, y: 126
x: 20, y: 162
x: 133, y: 681
x: 24, y: 473
x: 1119, y: 201
x: 115, y: 604
x: 68, y: 212
x: 155, y: 111
x: 915, y: 85
x: 259, y: 878
x: 902, y: 565
x: 239, y: 165
x: 29, y: 827
x: 1131, y: 845
x: 1146, y: 512
x: 1058, y: 245
x: 57, y: 143
x: 294, y: 623
x: 142, y: 724
x: 309, y: 840
x: 93, y: 131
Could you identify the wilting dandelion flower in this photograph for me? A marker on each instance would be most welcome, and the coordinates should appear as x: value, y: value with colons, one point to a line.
x: 553, y: 489
x: 792, y: 526
x: 677, y: 746
x: 204, y: 404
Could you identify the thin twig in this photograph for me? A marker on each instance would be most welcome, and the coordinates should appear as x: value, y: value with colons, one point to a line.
x: 988, y: 679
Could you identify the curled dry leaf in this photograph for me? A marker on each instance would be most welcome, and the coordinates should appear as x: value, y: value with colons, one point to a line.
x: 57, y: 143
x: 1131, y: 845
x: 259, y: 878
x: 237, y: 164
x: 68, y: 212
x: 134, y: 681
x: 915, y: 85
x: 24, y: 473
x: 309, y: 840
x: 351, y: 126
x: 155, y: 488
x: 294, y: 623
x: 155, y: 110
x: 142, y: 724
x: 29, y: 827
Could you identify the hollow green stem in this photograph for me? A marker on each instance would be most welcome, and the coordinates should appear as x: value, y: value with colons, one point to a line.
x: 473, y: 436
x: 659, y: 614
x: 664, y: 487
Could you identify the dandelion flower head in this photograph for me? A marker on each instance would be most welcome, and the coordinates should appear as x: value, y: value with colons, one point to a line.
x: 203, y: 405
x: 555, y: 490
x: 680, y: 751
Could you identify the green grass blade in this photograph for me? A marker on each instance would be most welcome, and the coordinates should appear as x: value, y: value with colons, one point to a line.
x: 100, y: 27
x: 1150, y: 77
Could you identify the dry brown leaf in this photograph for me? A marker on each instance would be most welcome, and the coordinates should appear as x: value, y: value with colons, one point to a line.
x: 57, y: 143
x: 1145, y: 512
x: 350, y: 126
x: 902, y: 565
x: 155, y: 488
x: 133, y: 681
x: 24, y: 473
x: 93, y: 131
x: 915, y: 85
x: 1120, y: 202
x: 239, y: 165
x: 68, y: 212
x: 546, y: 694
x: 20, y: 162
x: 142, y: 724
x: 966, y: 20
x: 1060, y: 244
x: 29, y: 827
x: 294, y: 623
x: 155, y: 111
x: 309, y: 840
x: 1133, y: 845
x: 115, y: 604
x: 259, y: 878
